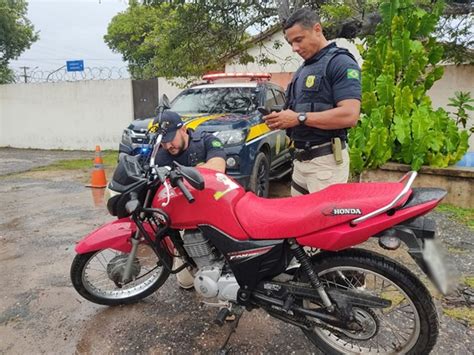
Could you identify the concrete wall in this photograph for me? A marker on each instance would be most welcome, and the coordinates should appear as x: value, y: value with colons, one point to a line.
x: 68, y: 115
x: 455, y: 78
x: 458, y: 182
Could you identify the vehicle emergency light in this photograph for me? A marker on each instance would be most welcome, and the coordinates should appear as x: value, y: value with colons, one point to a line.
x: 251, y: 76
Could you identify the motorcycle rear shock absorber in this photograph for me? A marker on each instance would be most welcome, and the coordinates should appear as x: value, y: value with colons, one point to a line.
x: 305, y: 263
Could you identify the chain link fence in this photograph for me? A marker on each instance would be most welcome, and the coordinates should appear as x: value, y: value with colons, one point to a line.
x: 35, y: 75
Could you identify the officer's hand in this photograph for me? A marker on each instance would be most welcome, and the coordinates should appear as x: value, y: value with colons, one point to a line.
x: 281, y: 120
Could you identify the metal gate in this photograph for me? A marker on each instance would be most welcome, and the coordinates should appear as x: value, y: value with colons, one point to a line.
x: 145, y: 97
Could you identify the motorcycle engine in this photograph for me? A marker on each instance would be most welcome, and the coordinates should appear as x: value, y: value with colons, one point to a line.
x: 209, y: 280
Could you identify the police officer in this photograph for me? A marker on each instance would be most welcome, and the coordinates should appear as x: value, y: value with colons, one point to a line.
x: 323, y: 100
x: 190, y: 149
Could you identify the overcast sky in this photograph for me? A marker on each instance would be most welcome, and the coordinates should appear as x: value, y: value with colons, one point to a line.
x: 71, y: 30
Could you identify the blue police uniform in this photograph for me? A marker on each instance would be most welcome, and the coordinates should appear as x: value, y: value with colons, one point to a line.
x: 201, y: 148
x: 330, y: 76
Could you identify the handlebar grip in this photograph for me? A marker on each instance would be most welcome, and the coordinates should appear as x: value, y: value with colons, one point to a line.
x: 185, y: 191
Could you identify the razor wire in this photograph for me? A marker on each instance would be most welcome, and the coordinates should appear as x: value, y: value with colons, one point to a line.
x: 62, y: 75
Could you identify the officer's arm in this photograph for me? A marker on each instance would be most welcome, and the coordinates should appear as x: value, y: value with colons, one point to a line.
x: 216, y: 163
x: 345, y: 115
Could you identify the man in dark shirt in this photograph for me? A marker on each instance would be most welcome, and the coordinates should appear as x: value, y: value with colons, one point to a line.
x: 323, y: 100
x: 188, y: 147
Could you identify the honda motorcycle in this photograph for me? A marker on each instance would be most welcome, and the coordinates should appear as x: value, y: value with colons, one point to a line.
x: 292, y: 257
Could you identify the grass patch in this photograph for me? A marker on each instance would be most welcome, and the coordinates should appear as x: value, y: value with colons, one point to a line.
x: 109, y: 157
x: 469, y: 281
x: 463, y: 215
x: 462, y: 313
x: 456, y: 250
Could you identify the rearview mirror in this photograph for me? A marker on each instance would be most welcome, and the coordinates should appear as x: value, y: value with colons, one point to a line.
x: 165, y: 102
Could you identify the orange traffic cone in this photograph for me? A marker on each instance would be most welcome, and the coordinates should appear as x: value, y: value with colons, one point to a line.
x: 98, y: 174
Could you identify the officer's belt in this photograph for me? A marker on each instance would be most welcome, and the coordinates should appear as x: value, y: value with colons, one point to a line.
x: 316, y: 151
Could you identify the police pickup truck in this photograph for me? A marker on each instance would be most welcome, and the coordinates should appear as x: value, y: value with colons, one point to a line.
x: 226, y: 105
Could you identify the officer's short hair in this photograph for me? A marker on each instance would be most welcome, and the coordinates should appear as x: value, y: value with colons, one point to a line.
x: 304, y: 17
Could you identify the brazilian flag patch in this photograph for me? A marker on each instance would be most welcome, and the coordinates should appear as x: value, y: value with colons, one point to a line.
x: 216, y: 144
x: 353, y: 74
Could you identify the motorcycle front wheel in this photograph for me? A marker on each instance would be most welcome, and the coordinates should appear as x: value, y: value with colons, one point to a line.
x: 98, y: 276
x: 408, y: 326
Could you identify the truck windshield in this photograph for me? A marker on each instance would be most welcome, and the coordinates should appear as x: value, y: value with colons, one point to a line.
x: 216, y: 100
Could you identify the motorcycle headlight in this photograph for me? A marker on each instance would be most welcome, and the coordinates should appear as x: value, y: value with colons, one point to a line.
x: 235, y: 136
x: 126, y: 136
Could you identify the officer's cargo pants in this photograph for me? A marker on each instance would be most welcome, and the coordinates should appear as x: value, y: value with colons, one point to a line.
x: 320, y: 172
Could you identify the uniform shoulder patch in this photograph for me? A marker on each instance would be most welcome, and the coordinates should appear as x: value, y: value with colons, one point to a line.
x: 353, y: 74
x: 216, y: 143
x: 310, y: 80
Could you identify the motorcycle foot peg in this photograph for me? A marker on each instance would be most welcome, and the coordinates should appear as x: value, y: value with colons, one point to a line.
x: 222, y: 316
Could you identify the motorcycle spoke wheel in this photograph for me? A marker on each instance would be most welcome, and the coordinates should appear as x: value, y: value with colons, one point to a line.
x: 98, y: 277
x: 409, y: 325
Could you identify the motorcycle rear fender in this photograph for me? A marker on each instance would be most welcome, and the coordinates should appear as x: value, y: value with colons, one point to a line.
x: 115, y: 235
x: 418, y: 234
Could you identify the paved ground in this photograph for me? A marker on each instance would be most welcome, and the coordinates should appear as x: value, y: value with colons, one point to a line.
x: 42, y: 214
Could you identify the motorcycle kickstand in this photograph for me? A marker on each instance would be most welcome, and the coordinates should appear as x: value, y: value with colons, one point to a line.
x: 238, y: 311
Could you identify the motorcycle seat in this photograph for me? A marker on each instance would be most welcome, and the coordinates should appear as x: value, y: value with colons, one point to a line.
x: 293, y: 217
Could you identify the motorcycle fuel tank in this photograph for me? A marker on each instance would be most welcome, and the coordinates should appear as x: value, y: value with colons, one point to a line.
x: 214, y: 205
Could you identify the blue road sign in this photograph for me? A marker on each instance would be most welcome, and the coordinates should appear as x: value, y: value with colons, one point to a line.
x: 75, y: 65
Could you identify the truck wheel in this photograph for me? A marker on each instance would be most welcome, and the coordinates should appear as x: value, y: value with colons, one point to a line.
x: 259, y: 183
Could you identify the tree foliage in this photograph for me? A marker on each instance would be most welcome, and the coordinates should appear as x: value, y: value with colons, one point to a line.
x: 16, y: 34
x: 398, y: 122
x: 178, y: 38
x: 185, y: 38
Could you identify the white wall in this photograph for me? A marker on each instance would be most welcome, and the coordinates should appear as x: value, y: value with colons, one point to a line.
x: 165, y: 87
x: 455, y: 78
x: 68, y: 115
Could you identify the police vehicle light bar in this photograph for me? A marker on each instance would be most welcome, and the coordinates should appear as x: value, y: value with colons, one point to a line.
x: 254, y: 76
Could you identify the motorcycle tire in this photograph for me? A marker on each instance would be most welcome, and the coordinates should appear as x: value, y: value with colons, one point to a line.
x: 259, y: 182
x: 85, y: 266
x: 398, y: 284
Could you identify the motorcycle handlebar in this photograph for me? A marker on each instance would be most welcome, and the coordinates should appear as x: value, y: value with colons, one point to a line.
x: 185, y: 191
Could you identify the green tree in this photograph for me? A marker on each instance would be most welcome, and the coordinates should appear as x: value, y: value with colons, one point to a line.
x: 188, y: 37
x: 16, y: 34
x: 175, y: 40
x: 398, y: 121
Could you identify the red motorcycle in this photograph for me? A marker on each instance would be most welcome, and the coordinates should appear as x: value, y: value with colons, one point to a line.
x: 292, y: 257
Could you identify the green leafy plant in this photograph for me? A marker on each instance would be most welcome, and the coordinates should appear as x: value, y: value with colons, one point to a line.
x: 462, y: 101
x: 398, y: 122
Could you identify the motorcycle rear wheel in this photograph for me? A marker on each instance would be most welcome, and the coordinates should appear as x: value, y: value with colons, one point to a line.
x: 95, y: 275
x: 408, y: 326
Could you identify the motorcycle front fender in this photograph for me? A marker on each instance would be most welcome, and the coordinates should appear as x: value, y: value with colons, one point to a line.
x: 113, y: 235
x: 116, y: 235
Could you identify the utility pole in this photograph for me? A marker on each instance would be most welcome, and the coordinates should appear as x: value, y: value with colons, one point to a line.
x: 24, y: 74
